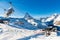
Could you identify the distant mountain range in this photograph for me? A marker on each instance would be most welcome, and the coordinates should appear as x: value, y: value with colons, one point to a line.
x: 28, y: 22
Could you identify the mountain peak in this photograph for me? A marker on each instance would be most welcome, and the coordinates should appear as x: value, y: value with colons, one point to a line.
x: 27, y: 16
x: 54, y: 16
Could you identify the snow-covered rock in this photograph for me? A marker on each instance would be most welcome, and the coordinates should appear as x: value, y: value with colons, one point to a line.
x: 52, y: 17
x: 32, y: 22
x: 27, y: 16
x: 12, y: 33
x: 57, y: 21
x: 30, y: 19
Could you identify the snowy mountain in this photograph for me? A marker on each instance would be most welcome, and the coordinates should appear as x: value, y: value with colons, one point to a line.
x: 52, y: 17
x: 34, y: 22
x: 26, y: 28
x: 27, y: 16
x: 30, y: 23
x: 49, y: 21
x: 57, y: 21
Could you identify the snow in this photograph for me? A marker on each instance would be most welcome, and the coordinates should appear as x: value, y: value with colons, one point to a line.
x: 57, y: 20
x: 11, y: 33
x: 52, y: 17
x: 30, y: 19
x: 18, y: 31
x: 43, y: 20
x: 51, y: 37
x: 32, y: 22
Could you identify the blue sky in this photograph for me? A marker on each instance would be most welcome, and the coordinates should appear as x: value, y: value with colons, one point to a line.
x: 36, y: 8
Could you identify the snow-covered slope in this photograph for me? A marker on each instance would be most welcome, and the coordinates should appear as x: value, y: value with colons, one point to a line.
x: 27, y: 28
x: 52, y: 17
x: 57, y: 21
x: 27, y: 22
x: 51, y: 37
x: 12, y: 33
x: 49, y: 21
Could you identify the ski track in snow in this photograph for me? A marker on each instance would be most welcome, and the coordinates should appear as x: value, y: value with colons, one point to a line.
x: 11, y: 33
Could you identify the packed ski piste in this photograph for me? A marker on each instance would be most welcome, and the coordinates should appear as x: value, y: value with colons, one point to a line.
x: 29, y: 28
